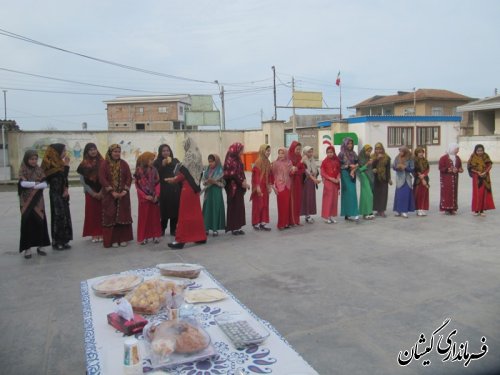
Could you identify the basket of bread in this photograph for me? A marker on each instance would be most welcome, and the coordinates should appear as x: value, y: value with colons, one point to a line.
x: 150, y: 296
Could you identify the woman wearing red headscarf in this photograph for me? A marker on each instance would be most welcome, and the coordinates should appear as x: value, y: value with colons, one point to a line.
x: 296, y: 175
x: 236, y: 186
x: 479, y: 166
x: 330, y: 172
x: 281, y: 176
x: 147, y: 183
x: 261, y: 187
x: 89, y: 177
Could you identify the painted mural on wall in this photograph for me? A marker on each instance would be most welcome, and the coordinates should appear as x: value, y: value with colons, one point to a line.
x: 132, y: 144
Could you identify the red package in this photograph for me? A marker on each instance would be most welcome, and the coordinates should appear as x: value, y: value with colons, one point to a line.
x: 128, y: 327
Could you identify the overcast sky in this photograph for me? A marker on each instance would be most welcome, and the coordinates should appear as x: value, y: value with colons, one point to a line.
x: 378, y: 46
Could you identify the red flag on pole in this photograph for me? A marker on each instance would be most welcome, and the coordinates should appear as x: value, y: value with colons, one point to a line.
x: 337, y: 82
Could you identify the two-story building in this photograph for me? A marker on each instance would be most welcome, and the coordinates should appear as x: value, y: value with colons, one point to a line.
x: 148, y: 113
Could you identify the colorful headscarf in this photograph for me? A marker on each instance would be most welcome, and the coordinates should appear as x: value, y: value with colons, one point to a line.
x: 346, y: 156
x: 53, y: 160
x: 292, y: 156
x: 216, y: 172
x: 281, y: 171
x: 233, y: 166
x: 263, y: 162
x: 34, y: 174
x: 114, y: 166
x: 145, y: 176
x: 421, y: 164
x: 363, y: 159
x: 480, y: 164
x: 89, y: 167
x: 382, y: 162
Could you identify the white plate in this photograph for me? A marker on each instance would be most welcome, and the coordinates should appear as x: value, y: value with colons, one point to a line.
x: 204, y: 295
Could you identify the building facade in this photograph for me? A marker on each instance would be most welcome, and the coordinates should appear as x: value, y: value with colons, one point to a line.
x: 148, y: 113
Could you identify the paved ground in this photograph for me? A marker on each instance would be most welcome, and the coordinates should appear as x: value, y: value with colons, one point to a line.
x: 348, y: 297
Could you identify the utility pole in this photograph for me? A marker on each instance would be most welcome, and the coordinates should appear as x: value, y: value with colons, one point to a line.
x: 223, y: 108
x: 414, y: 102
x: 293, y: 105
x: 274, y: 91
x: 3, y: 128
x: 223, y: 113
x: 5, y: 104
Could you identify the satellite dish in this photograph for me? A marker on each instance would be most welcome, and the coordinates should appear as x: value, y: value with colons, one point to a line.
x: 84, y: 125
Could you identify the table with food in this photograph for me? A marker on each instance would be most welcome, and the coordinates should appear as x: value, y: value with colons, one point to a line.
x: 176, y: 318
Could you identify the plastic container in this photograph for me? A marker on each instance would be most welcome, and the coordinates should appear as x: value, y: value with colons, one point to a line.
x: 241, y: 330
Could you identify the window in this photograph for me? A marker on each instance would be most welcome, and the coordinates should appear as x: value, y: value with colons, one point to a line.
x: 181, y: 111
x: 437, y: 111
x: 267, y: 139
x: 162, y: 109
x: 140, y: 127
x: 139, y: 109
x: 428, y: 135
x: 400, y: 136
x: 410, y: 111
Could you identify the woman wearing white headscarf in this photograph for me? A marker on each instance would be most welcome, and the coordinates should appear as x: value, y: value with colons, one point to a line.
x: 190, y: 226
x: 450, y: 166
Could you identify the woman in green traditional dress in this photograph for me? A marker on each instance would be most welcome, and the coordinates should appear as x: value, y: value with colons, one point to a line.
x: 349, y: 164
x: 365, y: 173
x: 213, y: 203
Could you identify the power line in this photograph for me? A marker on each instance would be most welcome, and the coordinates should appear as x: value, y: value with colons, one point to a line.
x: 71, y: 81
x: 117, y: 64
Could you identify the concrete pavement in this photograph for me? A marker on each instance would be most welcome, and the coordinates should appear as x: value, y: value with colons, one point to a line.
x: 348, y: 297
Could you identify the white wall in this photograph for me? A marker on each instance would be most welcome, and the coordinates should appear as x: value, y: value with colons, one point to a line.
x: 491, y: 146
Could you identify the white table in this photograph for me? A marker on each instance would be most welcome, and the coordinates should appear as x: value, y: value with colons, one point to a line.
x: 104, y: 345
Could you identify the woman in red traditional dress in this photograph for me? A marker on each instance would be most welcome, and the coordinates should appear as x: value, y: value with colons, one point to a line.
x: 479, y: 166
x: 147, y: 184
x: 281, y: 169
x: 297, y: 175
x: 421, y: 182
x: 450, y: 166
x: 115, y: 178
x: 236, y: 187
x: 89, y: 177
x: 261, y: 187
x: 330, y: 173
x: 190, y: 226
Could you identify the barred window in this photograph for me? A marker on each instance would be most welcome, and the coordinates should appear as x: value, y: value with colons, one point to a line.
x: 400, y: 136
x: 428, y: 135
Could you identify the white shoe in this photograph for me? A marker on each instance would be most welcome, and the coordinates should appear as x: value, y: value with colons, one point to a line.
x: 423, y: 213
x: 405, y: 215
x: 333, y: 220
x: 397, y: 214
x: 329, y: 221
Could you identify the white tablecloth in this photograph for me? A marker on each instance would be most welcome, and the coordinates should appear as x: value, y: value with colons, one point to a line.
x: 104, y: 345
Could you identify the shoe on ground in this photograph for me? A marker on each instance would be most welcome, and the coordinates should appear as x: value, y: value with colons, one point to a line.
x: 405, y: 215
x: 215, y: 233
x: 264, y: 228
x: 483, y: 214
x: 176, y: 245
x: 241, y: 231
x: 40, y: 252
x: 27, y: 254
x: 397, y: 214
x: 115, y: 245
x: 123, y: 244
x: 156, y: 240
x: 329, y: 221
x: 144, y: 242
x: 58, y: 247
x: 256, y: 227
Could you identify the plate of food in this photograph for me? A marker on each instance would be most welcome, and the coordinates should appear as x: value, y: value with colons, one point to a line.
x: 172, y: 342
x: 116, y: 285
x: 204, y: 295
x: 183, y: 270
x: 242, y: 330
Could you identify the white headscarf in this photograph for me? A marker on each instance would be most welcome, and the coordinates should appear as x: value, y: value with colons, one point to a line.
x: 452, y: 147
x: 310, y: 164
x: 192, y: 159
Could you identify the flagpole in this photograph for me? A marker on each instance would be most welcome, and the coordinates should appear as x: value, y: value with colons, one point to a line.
x: 340, y: 87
